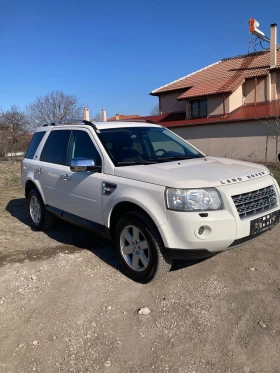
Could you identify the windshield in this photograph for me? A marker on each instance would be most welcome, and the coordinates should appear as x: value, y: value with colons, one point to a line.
x: 145, y: 145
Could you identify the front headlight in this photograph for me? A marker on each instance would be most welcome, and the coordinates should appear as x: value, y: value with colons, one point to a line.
x: 193, y: 199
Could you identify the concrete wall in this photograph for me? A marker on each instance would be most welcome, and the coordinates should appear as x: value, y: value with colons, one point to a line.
x: 242, y: 140
x: 168, y: 102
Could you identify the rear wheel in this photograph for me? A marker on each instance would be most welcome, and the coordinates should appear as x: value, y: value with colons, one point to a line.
x: 139, y: 248
x: 40, y: 217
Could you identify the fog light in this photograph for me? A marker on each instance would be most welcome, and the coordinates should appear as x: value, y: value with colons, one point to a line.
x: 203, y: 232
x: 200, y: 230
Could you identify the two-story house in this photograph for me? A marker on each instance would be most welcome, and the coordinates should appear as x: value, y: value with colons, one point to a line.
x: 229, y: 108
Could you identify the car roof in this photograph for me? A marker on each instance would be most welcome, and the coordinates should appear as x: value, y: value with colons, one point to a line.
x: 120, y: 124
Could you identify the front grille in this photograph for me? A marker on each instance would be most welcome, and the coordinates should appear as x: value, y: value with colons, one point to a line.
x: 252, y: 203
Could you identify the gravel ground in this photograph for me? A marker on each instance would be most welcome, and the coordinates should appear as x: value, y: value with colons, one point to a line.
x: 65, y: 306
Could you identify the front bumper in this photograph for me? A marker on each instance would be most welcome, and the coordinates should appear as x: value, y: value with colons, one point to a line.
x: 222, y: 229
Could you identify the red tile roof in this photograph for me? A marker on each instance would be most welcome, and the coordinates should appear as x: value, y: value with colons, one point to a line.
x: 212, y: 88
x: 228, y: 70
x: 243, y: 113
x: 124, y: 117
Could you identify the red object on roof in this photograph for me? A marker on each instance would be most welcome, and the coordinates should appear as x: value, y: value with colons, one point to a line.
x: 229, y: 71
x: 249, y: 112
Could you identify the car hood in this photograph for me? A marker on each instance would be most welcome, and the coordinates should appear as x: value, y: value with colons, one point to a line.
x: 194, y: 173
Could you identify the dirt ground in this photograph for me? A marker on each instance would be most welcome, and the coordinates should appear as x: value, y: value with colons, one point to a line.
x: 65, y: 306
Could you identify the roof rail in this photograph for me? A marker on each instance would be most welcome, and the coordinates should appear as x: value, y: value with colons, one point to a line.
x: 71, y: 121
x: 135, y: 121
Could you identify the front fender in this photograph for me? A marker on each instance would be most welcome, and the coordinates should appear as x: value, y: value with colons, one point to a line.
x: 148, y: 197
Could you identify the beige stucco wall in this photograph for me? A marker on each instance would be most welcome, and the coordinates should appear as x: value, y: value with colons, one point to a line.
x: 249, y: 91
x: 242, y: 140
x: 278, y: 85
x: 273, y: 85
x: 215, y: 105
x: 236, y: 99
x: 261, y: 91
x: 168, y: 102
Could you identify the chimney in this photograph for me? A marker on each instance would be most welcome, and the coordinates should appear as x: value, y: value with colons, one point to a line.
x: 117, y: 116
x: 86, y: 114
x: 273, y: 43
x: 104, y: 116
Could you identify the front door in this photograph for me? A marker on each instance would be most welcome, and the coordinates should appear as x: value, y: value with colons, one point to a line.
x: 81, y: 191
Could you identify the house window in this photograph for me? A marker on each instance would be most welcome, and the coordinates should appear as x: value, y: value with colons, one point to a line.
x: 199, y: 108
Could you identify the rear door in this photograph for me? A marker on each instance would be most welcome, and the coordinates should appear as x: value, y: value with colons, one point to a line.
x: 80, y: 192
x: 47, y: 172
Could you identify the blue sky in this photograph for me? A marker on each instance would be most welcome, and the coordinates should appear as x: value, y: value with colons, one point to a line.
x: 112, y: 53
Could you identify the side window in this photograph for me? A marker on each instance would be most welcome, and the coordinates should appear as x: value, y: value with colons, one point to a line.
x: 55, y: 149
x: 81, y: 146
x: 34, y: 143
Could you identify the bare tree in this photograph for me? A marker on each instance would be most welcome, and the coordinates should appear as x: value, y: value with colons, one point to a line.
x: 13, y: 130
x: 56, y: 105
x: 155, y: 110
x: 96, y: 118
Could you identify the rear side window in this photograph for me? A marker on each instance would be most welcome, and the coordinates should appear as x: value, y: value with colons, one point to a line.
x: 34, y: 143
x: 56, y: 146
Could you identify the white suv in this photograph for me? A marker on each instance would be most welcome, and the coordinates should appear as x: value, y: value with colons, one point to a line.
x: 154, y: 194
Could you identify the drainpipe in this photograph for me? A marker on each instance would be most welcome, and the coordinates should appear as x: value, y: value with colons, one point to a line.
x: 224, y: 104
x: 86, y: 114
x: 255, y: 91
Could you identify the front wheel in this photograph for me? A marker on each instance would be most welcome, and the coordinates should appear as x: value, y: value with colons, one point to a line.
x: 40, y: 217
x: 139, y: 248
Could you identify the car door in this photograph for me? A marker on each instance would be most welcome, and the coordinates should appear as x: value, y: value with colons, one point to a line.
x: 81, y: 191
x: 47, y: 172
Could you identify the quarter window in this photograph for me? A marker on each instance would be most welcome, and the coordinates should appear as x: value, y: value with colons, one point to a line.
x: 55, y: 149
x: 199, y: 108
x: 34, y: 143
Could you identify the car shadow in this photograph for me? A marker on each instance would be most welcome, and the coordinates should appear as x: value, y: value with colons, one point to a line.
x: 73, y: 239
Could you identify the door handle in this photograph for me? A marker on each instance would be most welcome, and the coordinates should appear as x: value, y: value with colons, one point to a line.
x: 38, y: 171
x: 65, y: 177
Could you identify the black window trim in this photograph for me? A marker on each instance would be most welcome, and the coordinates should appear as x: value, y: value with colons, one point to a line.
x: 93, y: 142
x: 71, y: 130
x: 38, y: 146
x: 198, y: 101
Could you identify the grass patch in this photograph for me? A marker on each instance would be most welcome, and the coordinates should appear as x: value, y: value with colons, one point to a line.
x: 276, y: 173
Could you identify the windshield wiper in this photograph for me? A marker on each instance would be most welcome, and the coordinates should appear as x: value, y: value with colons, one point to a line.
x: 137, y: 162
x: 178, y: 157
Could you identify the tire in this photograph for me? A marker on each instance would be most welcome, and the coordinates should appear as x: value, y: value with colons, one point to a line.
x: 41, y: 219
x: 143, y: 258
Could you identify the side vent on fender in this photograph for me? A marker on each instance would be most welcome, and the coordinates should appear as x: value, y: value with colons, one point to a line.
x: 108, y: 188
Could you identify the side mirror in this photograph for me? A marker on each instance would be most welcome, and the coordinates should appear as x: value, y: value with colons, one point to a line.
x: 83, y: 165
